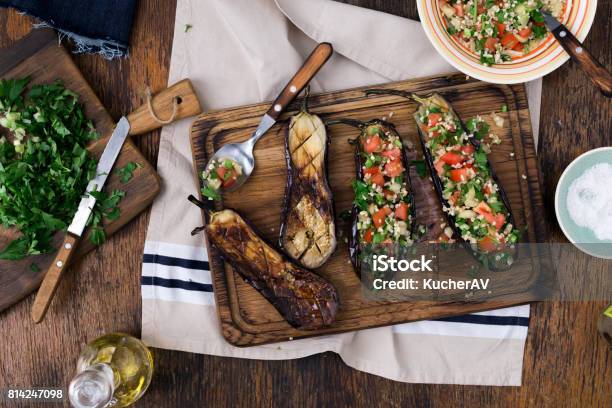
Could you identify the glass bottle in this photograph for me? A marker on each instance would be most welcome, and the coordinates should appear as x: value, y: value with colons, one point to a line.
x: 114, y: 370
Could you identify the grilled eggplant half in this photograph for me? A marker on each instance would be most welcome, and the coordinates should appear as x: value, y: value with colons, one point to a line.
x: 308, y: 231
x: 476, y: 206
x: 383, y: 209
x: 303, y: 298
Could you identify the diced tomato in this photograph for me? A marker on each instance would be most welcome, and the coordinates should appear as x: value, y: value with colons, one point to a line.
x: 458, y: 9
x: 459, y: 175
x: 519, y: 47
x: 227, y: 176
x: 368, y: 235
x: 481, y: 8
x: 491, y: 43
x: 489, y: 217
x: 392, y: 154
x: 378, y: 179
x: 454, y: 198
x: 501, y: 29
x: 486, y: 189
x: 388, y: 193
x: 433, y: 119
x: 394, y: 168
x: 379, y: 216
x: 451, y: 158
x: 439, y: 165
x: 482, y: 208
x: 221, y: 172
x: 372, y: 143
x: 487, y: 244
x: 468, y: 149
x: 509, y: 40
x: 434, y: 134
x: 500, y: 220
x: 525, y: 32
x: 371, y: 170
x: 230, y: 181
x: 401, y: 212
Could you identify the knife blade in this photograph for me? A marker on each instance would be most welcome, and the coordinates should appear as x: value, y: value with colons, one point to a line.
x: 551, y: 22
x: 105, y: 165
x: 596, y: 72
x: 79, y: 221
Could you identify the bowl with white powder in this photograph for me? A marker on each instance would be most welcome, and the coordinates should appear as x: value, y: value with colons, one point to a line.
x: 583, y: 202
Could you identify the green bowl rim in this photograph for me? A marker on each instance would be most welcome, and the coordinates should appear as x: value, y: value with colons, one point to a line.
x: 557, y: 198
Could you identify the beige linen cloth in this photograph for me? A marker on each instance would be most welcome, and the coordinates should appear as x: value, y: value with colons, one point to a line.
x: 244, y: 51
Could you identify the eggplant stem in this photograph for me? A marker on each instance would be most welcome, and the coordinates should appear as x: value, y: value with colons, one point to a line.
x: 196, y: 231
x: 350, y: 122
x: 305, y: 100
x: 403, y: 94
x: 206, y: 207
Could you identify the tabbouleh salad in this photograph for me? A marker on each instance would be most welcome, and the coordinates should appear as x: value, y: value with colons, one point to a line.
x: 498, y: 31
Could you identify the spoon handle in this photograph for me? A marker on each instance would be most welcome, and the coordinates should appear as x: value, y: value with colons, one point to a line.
x: 585, y: 60
x: 313, y: 64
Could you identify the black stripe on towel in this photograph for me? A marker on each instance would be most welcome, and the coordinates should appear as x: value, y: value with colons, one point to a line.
x: 176, y: 284
x: 180, y: 262
x: 490, y: 320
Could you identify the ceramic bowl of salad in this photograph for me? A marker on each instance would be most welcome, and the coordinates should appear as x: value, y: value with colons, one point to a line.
x: 503, y: 41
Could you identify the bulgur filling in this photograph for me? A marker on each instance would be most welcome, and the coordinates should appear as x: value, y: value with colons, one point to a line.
x: 471, y: 194
x: 382, y: 196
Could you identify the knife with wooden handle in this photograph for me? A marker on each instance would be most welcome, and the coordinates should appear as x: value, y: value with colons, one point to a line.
x: 585, y: 60
x: 176, y: 102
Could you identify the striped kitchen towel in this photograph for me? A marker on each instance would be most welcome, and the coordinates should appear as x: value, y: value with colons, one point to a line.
x: 242, y: 52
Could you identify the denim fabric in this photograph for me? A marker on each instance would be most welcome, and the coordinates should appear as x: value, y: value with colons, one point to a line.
x: 97, y: 23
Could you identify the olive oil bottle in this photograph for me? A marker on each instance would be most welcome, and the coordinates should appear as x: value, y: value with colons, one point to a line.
x: 112, y: 371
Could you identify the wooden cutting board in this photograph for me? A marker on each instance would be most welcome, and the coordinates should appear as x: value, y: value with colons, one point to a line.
x: 247, y: 319
x: 39, y: 56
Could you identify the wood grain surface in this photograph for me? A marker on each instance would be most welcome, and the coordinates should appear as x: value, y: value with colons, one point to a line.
x: 39, y: 57
x: 248, y: 319
x: 566, y: 363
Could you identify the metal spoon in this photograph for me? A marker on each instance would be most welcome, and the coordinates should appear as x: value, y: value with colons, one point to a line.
x: 242, y: 153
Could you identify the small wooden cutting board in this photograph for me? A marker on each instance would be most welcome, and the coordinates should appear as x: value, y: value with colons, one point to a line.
x: 247, y: 319
x: 39, y: 56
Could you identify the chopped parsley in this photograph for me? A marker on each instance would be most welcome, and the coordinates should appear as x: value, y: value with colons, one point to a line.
x: 127, y: 172
x: 44, y: 163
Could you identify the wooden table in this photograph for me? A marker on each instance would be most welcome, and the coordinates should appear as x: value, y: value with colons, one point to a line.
x: 566, y: 362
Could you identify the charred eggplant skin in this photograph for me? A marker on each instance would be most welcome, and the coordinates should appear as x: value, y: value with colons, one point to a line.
x: 308, y: 231
x: 356, y: 248
x: 306, y: 300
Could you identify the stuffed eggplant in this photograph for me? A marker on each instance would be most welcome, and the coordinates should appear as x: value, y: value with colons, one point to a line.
x: 474, y: 201
x: 383, y: 209
x: 303, y: 298
x: 308, y: 231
